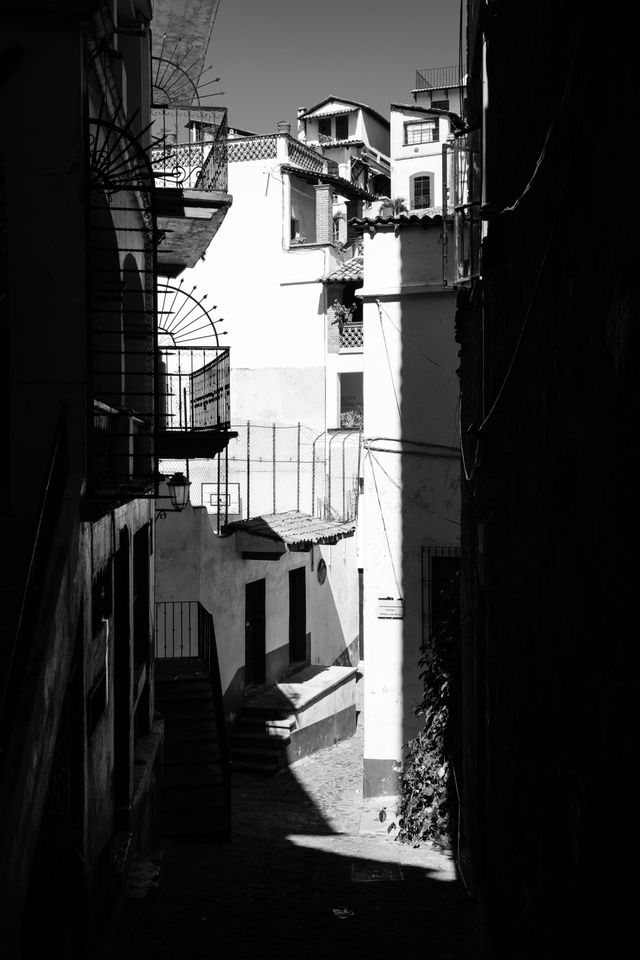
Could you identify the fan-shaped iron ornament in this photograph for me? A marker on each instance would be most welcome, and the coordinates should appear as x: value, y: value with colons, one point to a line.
x: 183, y: 319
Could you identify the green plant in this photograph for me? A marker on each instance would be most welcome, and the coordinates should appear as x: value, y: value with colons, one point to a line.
x: 427, y: 809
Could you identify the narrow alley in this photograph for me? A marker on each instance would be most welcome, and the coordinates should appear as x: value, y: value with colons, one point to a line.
x: 309, y: 872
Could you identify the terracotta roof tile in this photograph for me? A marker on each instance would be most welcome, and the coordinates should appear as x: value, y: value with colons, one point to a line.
x: 347, y: 272
x: 293, y: 528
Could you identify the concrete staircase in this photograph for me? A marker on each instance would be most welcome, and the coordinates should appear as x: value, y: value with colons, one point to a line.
x: 260, y: 741
x: 312, y: 709
x: 196, y: 802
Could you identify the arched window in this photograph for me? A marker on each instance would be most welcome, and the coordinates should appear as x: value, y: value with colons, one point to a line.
x: 422, y: 191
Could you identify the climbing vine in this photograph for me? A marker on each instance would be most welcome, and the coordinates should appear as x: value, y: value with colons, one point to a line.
x: 428, y: 797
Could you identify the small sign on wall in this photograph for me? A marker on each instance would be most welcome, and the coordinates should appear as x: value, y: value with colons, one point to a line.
x: 390, y: 608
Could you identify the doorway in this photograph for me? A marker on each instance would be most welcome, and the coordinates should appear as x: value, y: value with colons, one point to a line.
x: 297, y: 616
x: 254, y: 633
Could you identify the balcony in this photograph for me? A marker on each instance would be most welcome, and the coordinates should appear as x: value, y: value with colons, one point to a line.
x: 194, y: 403
x: 189, y: 162
x: 351, y: 337
x: 440, y: 78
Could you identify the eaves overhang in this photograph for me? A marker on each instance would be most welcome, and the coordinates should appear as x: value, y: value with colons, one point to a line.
x: 344, y: 187
x: 395, y: 223
x: 278, y: 533
x: 455, y: 118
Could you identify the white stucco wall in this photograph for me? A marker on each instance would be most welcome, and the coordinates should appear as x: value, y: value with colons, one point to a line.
x: 192, y: 563
x: 411, y: 471
x: 270, y: 298
x: 408, y: 160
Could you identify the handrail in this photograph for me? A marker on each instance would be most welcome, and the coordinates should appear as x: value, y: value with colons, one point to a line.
x: 185, y: 629
x: 57, y: 472
x: 208, y: 651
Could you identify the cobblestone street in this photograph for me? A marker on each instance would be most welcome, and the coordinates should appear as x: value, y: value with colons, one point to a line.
x: 309, y: 873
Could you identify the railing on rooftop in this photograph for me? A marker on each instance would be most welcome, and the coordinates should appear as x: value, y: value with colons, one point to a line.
x: 190, y: 148
x: 434, y: 78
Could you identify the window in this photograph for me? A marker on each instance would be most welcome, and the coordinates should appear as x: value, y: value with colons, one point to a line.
x: 351, y: 401
x: 342, y: 128
x: 324, y: 126
x: 421, y: 192
x: 421, y: 131
x: 440, y: 104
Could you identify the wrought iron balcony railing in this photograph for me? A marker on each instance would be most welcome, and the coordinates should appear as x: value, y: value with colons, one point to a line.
x: 437, y: 78
x: 190, y: 148
x: 194, y: 389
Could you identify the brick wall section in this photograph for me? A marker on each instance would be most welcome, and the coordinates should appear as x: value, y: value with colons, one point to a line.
x: 324, y: 213
x: 334, y: 292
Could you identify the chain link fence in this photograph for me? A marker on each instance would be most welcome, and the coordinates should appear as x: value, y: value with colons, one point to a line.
x: 274, y: 468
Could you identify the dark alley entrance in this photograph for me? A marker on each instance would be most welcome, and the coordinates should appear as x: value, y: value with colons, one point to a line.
x: 309, y: 872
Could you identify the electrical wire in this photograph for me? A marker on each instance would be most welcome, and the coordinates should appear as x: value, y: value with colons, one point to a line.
x: 413, y: 443
x: 413, y: 499
x: 411, y: 344
x: 552, y: 125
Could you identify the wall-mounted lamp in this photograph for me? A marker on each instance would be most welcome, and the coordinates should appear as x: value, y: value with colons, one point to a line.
x: 178, y: 489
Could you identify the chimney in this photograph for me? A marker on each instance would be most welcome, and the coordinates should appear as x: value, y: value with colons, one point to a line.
x: 283, y: 126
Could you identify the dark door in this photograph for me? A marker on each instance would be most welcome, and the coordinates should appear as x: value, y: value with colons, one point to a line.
x: 297, y: 616
x: 254, y: 642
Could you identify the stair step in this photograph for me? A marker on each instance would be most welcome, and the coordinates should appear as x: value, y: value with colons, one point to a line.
x: 181, y: 667
x: 182, y: 689
x: 182, y: 774
x: 201, y: 751
x: 192, y: 798
x: 267, y: 713
x: 187, y: 708
x: 258, y: 765
x: 241, y: 755
x: 187, y: 730
x: 181, y: 827
x: 259, y: 740
x: 199, y: 715
x: 271, y: 727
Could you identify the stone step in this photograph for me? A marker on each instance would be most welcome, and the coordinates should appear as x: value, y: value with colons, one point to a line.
x: 260, y: 740
x: 211, y: 823
x: 180, y: 774
x: 270, y: 727
x: 258, y: 759
x: 203, y: 796
x: 191, y: 752
x: 187, y: 709
x: 264, y: 766
x: 183, y: 728
x: 168, y: 690
x: 267, y: 710
x: 180, y: 668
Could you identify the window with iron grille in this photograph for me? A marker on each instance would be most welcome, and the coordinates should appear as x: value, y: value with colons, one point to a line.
x: 421, y: 131
x: 421, y: 192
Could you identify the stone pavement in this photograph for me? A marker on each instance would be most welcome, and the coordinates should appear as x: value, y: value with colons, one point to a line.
x: 310, y: 872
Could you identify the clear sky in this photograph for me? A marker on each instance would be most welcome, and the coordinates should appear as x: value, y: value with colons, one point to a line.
x: 274, y: 56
